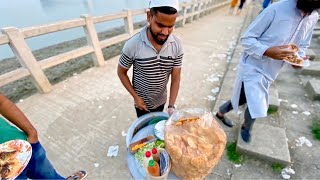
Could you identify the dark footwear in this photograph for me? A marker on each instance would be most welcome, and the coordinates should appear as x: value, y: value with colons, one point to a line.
x: 80, y: 175
x: 245, y: 134
x: 225, y: 120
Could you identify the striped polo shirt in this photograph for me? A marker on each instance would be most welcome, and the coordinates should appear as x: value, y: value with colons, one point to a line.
x: 151, y: 70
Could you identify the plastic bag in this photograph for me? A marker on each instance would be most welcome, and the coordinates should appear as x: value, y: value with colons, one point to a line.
x: 195, y: 143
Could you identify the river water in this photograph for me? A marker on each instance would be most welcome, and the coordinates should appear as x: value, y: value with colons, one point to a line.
x: 27, y: 13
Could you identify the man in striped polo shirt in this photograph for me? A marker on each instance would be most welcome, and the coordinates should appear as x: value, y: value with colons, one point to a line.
x: 155, y: 54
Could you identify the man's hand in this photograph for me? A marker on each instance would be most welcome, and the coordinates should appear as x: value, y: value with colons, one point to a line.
x: 170, y: 111
x: 13, y: 114
x: 279, y: 52
x: 123, y: 76
x: 140, y: 104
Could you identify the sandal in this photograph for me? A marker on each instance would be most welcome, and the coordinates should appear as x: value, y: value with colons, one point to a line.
x: 79, y: 175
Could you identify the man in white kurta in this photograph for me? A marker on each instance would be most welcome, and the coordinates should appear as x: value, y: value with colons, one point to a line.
x: 265, y: 46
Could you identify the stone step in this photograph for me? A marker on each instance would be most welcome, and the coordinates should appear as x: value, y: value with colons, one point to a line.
x: 274, y: 102
x: 316, y: 34
x: 313, y: 69
x: 313, y: 89
x: 268, y: 143
x: 312, y: 55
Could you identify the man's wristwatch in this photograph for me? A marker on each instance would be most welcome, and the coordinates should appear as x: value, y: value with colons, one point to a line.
x: 171, y: 106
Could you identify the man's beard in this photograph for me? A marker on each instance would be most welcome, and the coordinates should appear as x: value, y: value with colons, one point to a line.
x: 155, y: 37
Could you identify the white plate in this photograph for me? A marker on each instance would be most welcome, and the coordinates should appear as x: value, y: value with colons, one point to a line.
x: 306, y: 63
x: 24, y: 154
x: 159, y: 129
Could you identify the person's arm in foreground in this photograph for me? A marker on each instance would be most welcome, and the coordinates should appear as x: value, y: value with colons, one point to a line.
x: 13, y: 114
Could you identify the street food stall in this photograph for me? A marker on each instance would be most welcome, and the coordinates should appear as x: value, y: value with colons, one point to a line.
x: 190, y: 143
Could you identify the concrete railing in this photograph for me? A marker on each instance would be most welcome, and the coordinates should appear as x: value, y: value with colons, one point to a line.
x: 16, y: 38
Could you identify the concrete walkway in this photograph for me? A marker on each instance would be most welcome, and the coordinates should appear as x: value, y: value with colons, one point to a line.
x: 89, y: 112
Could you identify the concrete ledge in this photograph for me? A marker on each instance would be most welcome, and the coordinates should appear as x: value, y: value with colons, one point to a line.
x: 274, y: 98
x: 312, y: 55
x: 268, y: 143
x: 313, y: 89
x: 313, y: 69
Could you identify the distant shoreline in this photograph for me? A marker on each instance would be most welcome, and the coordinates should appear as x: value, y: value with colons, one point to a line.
x: 24, y: 87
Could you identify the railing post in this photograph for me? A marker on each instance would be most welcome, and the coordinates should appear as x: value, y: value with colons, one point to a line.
x: 93, y: 40
x: 199, y: 9
x: 216, y: 3
x: 184, y: 10
x: 27, y: 59
x: 207, y: 7
x: 196, y: 7
x: 193, y: 8
x: 211, y: 6
x: 203, y: 8
x: 128, y: 22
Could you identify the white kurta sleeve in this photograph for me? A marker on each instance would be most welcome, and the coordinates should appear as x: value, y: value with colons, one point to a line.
x: 250, y: 41
x: 305, y: 43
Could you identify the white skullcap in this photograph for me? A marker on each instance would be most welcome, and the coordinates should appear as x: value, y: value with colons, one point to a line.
x: 161, y: 3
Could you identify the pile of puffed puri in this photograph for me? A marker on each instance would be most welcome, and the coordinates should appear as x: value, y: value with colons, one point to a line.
x: 195, y: 143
